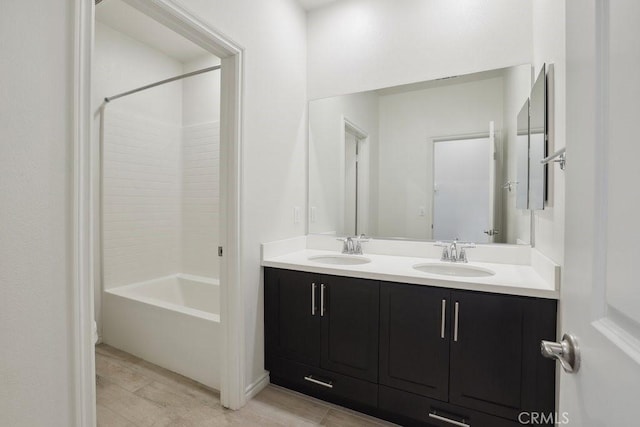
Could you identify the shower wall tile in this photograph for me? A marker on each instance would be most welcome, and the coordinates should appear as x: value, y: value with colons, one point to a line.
x: 142, y: 198
x: 201, y: 199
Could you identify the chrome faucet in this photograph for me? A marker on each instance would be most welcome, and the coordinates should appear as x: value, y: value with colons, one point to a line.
x: 454, y: 251
x: 353, y: 245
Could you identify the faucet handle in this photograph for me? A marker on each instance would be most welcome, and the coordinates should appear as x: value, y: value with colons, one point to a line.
x: 462, y: 256
x: 347, y: 244
x: 445, y: 250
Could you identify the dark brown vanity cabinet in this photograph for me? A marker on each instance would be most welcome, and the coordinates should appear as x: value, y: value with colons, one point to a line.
x: 417, y: 355
x: 496, y: 365
x: 292, y: 320
x: 321, y: 335
x: 414, y: 339
x: 478, y: 352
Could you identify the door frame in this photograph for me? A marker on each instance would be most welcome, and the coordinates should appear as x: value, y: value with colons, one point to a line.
x: 86, y: 214
x: 361, y: 136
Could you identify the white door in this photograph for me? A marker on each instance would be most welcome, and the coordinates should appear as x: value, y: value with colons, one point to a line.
x: 463, y: 180
x: 600, y: 296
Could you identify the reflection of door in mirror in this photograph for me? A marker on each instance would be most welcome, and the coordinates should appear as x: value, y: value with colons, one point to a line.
x: 350, y: 184
x: 356, y: 181
x: 463, y: 197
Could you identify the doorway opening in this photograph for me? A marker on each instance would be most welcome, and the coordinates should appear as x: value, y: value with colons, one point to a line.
x: 158, y: 98
x: 157, y: 189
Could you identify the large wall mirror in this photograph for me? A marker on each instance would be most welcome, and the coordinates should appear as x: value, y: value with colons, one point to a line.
x: 436, y: 160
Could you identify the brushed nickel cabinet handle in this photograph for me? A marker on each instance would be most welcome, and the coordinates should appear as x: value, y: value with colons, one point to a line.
x: 315, y: 381
x: 447, y: 420
x: 455, y: 321
x: 322, y: 300
x: 313, y: 299
x: 443, y: 319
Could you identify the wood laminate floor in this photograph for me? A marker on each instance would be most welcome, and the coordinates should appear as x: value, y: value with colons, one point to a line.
x: 132, y: 392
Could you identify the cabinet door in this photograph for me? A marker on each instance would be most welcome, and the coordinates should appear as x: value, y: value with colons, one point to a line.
x: 350, y: 326
x: 292, y: 323
x: 491, y: 370
x: 414, y: 339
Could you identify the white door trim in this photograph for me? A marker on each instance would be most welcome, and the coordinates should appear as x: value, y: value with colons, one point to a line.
x: 168, y: 13
x: 82, y: 262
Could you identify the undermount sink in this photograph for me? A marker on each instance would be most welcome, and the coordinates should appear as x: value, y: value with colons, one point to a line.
x: 340, y: 259
x: 459, y: 270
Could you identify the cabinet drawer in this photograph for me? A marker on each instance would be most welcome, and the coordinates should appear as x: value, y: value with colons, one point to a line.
x: 414, y: 410
x: 323, y: 384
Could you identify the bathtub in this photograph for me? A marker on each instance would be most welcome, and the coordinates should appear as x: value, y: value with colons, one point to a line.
x: 172, y: 321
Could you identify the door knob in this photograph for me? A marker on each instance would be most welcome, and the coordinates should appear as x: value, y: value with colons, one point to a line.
x: 566, y: 352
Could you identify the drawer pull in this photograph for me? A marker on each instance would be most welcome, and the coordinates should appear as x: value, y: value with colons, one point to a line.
x: 447, y: 420
x: 315, y: 381
x: 322, y: 300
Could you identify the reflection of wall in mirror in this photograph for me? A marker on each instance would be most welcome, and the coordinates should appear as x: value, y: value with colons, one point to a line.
x: 408, y: 123
x: 327, y: 159
x: 517, y: 222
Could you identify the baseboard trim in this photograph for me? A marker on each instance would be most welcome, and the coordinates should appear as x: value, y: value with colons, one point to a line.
x: 256, y: 387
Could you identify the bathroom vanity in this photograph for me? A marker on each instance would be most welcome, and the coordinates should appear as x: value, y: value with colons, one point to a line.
x: 416, y: 348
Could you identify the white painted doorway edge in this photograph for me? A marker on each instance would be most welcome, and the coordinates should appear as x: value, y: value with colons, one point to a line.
x: 178, y: 19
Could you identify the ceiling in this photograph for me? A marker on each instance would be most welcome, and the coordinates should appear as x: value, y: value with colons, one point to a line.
x: 314, y: 4
x: 125, y: 19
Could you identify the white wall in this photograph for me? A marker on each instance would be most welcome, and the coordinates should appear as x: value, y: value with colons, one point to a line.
x: 549, y: 47
x: 357, y: 45
x: 408, y: 123
x: 274, y: 135
x: 36, y: 368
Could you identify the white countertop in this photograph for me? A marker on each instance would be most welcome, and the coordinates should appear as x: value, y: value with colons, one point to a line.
x: 512, y: 279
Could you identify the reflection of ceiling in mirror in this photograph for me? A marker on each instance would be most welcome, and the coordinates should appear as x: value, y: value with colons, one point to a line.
x: 446, y: 81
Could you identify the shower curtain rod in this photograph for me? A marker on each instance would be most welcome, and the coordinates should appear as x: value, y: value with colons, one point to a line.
x: 161, y: 82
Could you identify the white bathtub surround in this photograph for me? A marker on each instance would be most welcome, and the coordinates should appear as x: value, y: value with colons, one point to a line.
x: 172, y: 321
x: 519, y: 270
x: 201, y: 199
x: 141, y: 197
x: 160, y: 194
